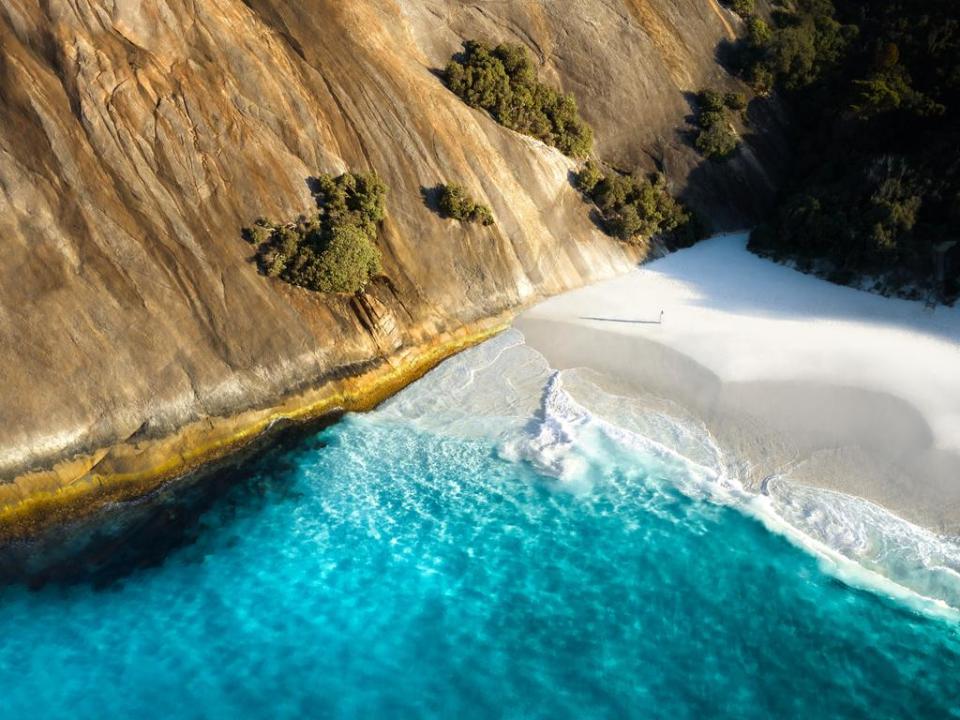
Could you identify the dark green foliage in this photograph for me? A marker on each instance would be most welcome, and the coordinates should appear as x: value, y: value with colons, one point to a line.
x: 351, y: 199
x: 588, y: 178
x: 743, y: 8
x: 749, y: 60
x: 334, y: 250
x: 633, y: 208
x: 805, y: 41
x: 876, y: 184
x: 862, y: 223
x: 346, y: 262
x: 690, y: 232
x: 503, y: 82
x: 888, y: 89
x: 710, y: 101
x: 257, y: 233
x: 735, y: 101
x: 716, y: 141
x: 454, y: 202
x: 716, y: 138
x: 759, y: 33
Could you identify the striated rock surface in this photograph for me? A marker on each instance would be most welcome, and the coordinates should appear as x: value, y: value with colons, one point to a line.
x: 138, y: 136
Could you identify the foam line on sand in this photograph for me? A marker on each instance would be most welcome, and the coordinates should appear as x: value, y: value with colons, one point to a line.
x: 837, y: 387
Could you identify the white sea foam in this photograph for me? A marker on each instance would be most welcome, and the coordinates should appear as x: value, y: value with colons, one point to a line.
x: 567, y: 427
x: 857, y: 541
x: 549, y: 441
x: 873, y: 538
x: 565, y: 438
x: 491, y: 388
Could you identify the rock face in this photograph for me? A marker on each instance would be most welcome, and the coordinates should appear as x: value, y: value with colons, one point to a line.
x: 138, y: 136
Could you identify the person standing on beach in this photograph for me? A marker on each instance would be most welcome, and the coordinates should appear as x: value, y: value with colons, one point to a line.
x: 661, y: 317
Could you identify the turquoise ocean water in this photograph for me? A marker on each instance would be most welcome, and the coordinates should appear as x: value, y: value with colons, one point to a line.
x: 503, y: 541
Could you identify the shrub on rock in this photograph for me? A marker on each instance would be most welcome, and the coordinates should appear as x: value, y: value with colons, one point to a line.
x: 632, y: 208
x: 716, y: 138
x: 454, y: 202
x: 335, y: 249
x: 503, y: 81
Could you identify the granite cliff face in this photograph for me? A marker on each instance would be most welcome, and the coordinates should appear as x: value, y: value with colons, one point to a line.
x: 138, y: 136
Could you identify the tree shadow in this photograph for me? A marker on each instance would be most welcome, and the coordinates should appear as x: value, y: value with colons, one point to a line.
x: 460, y: 56
x: 741, y: 189
x: 692, y: 100
x: 687, y: 133
x: 431, y: 198
x: 599, y: 222
x: 729, y: 55
x: 621, y: 320
x: 313, y: 185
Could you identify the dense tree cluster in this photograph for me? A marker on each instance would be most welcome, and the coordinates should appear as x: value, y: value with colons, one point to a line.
x: 874, y: 90
x: 503, y: 81
x: 334, y: 250
x: 743, y: 8
x: 805, y: 40
x: 454, y: 202
x: 716, y: 137
x: 634, y: 208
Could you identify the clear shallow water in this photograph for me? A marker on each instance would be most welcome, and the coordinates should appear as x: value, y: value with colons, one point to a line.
x: 484, y: 546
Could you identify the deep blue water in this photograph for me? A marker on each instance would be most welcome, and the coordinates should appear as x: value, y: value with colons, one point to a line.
x: 391, y: 567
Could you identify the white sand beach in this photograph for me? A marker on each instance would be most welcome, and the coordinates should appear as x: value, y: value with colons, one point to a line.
x: 832, y: 386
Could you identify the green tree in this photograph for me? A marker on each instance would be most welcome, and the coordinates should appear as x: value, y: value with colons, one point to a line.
x: 589, y: 176
x: 717, y: 141
x: 735, y: 101
x: 806, y: 41
x: 454, y: 202
x: 875, y: 99
x: 346, y: 263
x: 710, y: 101
x: 634, y: 208
x: 333, y: 250
x: 503, y: 82
x: 716, y: 138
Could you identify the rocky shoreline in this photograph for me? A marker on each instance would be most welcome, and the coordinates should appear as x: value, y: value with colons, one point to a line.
x: 138, y: 338
x: 84, y: 485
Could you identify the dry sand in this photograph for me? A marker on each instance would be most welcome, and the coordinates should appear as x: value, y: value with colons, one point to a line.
x: 826, y: 385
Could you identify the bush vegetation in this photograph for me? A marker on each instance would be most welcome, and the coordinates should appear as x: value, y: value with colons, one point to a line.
x: 333, y: 250
x: 503, y: 81
x: 634, y: 208
x: 743, y: 8
x: 454, y: 202
x: 716, y: 138
x: 873, y: 87
x: 805, y: 41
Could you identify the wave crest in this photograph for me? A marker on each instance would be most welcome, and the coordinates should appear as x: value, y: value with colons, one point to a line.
x: 567, y: 427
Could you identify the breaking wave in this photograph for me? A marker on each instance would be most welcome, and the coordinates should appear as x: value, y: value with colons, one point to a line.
x: 504, y: 540
x: 566, y: 426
